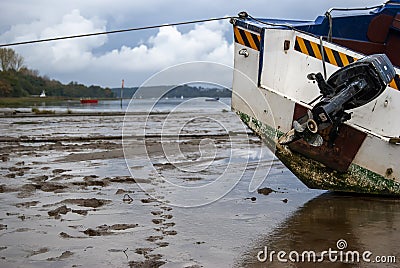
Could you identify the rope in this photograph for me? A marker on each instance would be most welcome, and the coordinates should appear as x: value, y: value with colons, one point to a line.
x: 112, y: 32
x: 272, y: 24
x: 323, y: 56
x: 166, y: 25
x: 329, y: 16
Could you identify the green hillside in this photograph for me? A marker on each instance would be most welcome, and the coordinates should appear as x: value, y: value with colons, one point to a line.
x: 17, y: 80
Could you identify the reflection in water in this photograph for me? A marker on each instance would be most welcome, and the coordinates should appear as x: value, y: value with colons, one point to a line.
x: 366, y: 223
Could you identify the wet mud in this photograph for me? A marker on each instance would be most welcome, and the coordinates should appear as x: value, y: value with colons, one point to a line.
x: 67, y: 201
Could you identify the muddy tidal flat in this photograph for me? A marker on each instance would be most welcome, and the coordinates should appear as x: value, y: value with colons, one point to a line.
x: 197, y: 190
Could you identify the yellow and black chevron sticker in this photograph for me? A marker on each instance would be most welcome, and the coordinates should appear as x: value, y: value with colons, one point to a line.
x: 247, y: 39
x: 314, y: 50
x: 331, y: 56
x: 395, y: 82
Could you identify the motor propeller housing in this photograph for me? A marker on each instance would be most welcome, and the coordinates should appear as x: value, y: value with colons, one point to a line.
x: 350, y: 87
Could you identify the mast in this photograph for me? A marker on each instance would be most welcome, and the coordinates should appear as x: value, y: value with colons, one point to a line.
x: 122, y: 90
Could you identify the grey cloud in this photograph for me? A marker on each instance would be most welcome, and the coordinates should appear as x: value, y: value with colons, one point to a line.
x: 103, y: 60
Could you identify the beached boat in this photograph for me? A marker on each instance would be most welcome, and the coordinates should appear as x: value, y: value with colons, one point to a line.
x: 89, y: 101
x: 329, y: 113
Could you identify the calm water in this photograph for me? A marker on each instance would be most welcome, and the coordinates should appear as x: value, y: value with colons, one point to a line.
x: 139, y: 105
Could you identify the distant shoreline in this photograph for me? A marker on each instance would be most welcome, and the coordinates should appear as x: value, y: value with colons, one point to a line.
x: 19, y: 102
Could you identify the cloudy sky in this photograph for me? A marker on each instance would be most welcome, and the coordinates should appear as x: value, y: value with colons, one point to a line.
x: 135, y: 56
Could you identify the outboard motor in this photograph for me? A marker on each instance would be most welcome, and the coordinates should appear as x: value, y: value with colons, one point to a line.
x: 350, y: 87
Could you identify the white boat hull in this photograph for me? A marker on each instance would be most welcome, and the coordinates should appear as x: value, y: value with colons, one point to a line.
x: 271, y: 90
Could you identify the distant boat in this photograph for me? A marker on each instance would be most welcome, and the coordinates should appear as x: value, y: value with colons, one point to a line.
x: 212, y: 99
x: 89, y: 101
x: 42, y: 95
x: 181, y: 97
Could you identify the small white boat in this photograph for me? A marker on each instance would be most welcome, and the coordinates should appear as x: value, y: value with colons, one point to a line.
x: 212, y: 99
x: 43, y: 94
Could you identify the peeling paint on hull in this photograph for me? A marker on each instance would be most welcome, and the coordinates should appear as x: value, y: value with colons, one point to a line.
x: 316, y: 175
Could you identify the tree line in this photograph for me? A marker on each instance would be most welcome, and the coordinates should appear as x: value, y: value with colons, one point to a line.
x: 186, y: 91
x: 17, y: 80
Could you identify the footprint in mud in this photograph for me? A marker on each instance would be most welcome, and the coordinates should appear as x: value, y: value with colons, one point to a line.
x: 122, y: 226
x: 27, y: 204
x: 157, y: 221
x: 60, y: 210
x: 65, y: 235
x: 22, y: 230
x: 15, y: 169
x: 265, y: 191
x: 91, y: 202
x: 157, y: 213
x: 10, y: 175
x: 154, y: 257
x: 62, y: 177
x: 52, y: 187
x: 108, y: 230
x: 64, y: 255
x: 80, y: 211
x: 154, y: 238
x: 122, y: 191
x: 169, y: 216
x: 37, y: 252
x: 166, y: 208
x: 146, y: 263
x: 173, y: 232
x: 59, y: 170
x: 26, y: 190
x: 90, y: 177
x: 143, y: 251
x: 41, y: 178
x: 149, y: 200
x: 169, y: 224
x: 121, y: 179
x: 93, y: 232
x: 162, y: 244
x: 152, y: 260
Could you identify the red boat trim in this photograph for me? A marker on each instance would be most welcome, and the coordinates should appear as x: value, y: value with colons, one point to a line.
x: 89, y: 101
x: 341, y: 155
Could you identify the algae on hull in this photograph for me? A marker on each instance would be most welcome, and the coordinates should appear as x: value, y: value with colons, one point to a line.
x: 316, y: 175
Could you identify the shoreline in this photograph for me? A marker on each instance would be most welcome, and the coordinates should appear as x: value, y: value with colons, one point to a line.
x: 21, y: 114
x: 21, y: 102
